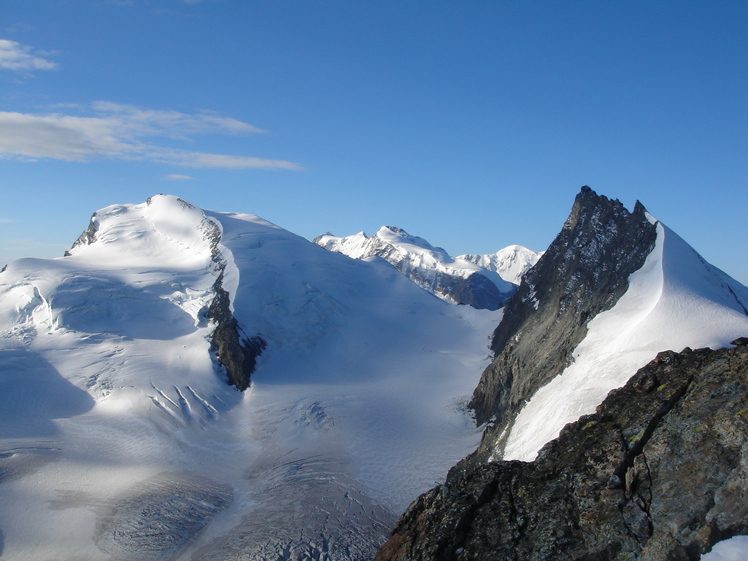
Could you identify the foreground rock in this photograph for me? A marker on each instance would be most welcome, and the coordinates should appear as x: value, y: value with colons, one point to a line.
x: 659, y: 472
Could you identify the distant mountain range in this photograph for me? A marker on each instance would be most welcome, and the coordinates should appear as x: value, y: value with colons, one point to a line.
x: 191, y: 384
x: 481, y: 281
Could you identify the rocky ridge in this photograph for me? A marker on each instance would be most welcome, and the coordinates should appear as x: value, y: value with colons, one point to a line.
x: 583, y: 272
x: 234, y: 349
x: 659, y: 472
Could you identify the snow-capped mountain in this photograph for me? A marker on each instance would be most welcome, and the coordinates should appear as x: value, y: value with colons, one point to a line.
x: 121, y: 439
x: 459, y: 280
x: 675, y: 300
x: 511, y: 263
x: 612, y: 290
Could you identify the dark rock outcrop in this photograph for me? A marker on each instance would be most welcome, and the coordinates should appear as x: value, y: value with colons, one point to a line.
x: 584, y: 272
x: 659, y: 472
x: 88, y: 236
x: 476, y: 291
x: 236, y: 352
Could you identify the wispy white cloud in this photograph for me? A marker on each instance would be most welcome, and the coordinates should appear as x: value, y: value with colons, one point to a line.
x: 200, y: 160
x: 22, y: 58
x: 118, y: 131
x: 7, y: 220
x: 177, y: 177
x: 149, y: 122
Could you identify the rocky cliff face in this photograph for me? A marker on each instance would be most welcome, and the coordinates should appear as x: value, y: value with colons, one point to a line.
x: 235, y: 350
x: 583, y: 272
x: 88, y: 236
x: 659, y: 472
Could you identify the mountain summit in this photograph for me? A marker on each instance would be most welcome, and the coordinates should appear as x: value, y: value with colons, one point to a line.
x: 612, y: 290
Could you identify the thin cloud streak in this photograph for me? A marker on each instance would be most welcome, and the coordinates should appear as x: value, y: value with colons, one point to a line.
x: 21, y: 58
x: 177, y: 177
x: 119, y: 131
x: 149, y: 122
x: 200, y: 160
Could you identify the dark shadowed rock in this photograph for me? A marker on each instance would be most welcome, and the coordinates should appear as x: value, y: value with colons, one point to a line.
x: 88, y: 236
x: 659, y: 472
x: 476, y: 291
x: 236, y: 352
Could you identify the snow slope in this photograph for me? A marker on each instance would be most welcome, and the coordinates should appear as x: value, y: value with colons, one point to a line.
x: 675, y: 300
x: 423, y: 263
x: 120, y: 439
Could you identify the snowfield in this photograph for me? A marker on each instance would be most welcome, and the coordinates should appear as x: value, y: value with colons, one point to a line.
x: 120, y: 439
x: 733, y: 549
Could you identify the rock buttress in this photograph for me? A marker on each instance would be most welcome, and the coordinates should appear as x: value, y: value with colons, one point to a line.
x: 236, y: 352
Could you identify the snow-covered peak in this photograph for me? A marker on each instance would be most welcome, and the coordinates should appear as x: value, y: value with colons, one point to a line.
x: 428, y: 266
x: 511, y: 263
x: 398, y: 236
x: 165, y: 227
x: 675, y: 300
x: 120, y: 438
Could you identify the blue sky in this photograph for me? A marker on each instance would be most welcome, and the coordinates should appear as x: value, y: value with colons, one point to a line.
x: 471, y: 124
